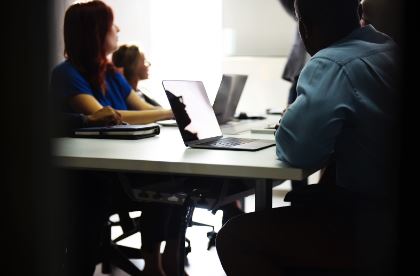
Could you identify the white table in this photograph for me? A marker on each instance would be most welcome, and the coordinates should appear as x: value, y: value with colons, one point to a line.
x: 166, y: 153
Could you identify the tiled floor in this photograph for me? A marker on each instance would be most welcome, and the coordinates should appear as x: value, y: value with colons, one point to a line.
x: 201, y: 261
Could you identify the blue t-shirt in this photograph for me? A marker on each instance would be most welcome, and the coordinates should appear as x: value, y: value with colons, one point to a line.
x: 346, y: 107
x: 67, y: 81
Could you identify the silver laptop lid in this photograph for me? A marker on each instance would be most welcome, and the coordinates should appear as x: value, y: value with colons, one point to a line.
x: 228, y: 96
x: 192, y: 110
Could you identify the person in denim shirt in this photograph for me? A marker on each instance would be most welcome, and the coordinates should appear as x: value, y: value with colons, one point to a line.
x: 347, y: 109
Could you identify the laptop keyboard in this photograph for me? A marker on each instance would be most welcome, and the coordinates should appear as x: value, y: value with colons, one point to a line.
x: 229, y: 142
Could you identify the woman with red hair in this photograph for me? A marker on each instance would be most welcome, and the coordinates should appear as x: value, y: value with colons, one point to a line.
x: 87, y: 81
x: 84, y: 83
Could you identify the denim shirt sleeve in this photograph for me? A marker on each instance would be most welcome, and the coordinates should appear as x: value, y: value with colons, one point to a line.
x: 308, y: 131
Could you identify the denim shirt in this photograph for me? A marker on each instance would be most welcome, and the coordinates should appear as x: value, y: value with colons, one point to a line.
x: 346, y: 107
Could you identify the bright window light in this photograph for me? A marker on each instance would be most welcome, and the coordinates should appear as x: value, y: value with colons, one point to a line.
x: 182, y: 39
x: 186, y: 41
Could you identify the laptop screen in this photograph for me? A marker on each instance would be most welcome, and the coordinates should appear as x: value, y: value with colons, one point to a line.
x: 192, y: 110
x: 228, y: 96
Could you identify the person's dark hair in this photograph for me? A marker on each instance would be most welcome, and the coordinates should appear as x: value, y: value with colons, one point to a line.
x: 336, y: 16
x: 127, y: 57
x: 86, y: 26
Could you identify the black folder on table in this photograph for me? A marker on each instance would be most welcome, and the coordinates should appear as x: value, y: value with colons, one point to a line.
x: 118, y: 131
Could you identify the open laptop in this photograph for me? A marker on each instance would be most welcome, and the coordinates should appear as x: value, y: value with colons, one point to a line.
x: 197, y: 121
x: 226, y: 102
x: 227, y: 99
x: 228, y: 96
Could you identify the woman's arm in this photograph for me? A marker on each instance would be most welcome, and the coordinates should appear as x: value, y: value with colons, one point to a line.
x: 142, y: 112
x: 87, y: 105
x: 134, y: 102
x: 145, y: 116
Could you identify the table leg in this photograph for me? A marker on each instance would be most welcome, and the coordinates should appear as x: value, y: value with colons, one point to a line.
x: 263, y: 194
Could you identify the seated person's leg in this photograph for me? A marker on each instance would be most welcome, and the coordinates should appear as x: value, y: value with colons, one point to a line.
x: 264, y: 243
x: 175, y: 247
x: 162, y: 222
x: 154, y: 222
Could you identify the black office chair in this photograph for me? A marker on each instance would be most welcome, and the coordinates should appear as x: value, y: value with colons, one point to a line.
x: 194, y: 195
x: 119, y: 255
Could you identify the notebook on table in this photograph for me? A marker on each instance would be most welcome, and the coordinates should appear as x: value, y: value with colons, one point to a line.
x: 118, y: 131
x: 169, y: 122
x: 197, y: 121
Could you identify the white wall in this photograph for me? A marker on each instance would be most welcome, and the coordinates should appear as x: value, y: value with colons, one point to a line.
x: 264, y: 88
x: 133, y: 17
x: 57, y: 24
x: 260, y: 27
x: 251, y: 27
x: 186, y: 39
x: 181, y: 38
x: 184, y: 44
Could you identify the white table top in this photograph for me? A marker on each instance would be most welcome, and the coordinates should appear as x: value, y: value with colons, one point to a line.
x: 166, y: 153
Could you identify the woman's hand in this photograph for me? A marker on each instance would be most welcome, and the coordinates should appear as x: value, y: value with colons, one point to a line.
x: 169, y: 113
x: 104, y: 117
